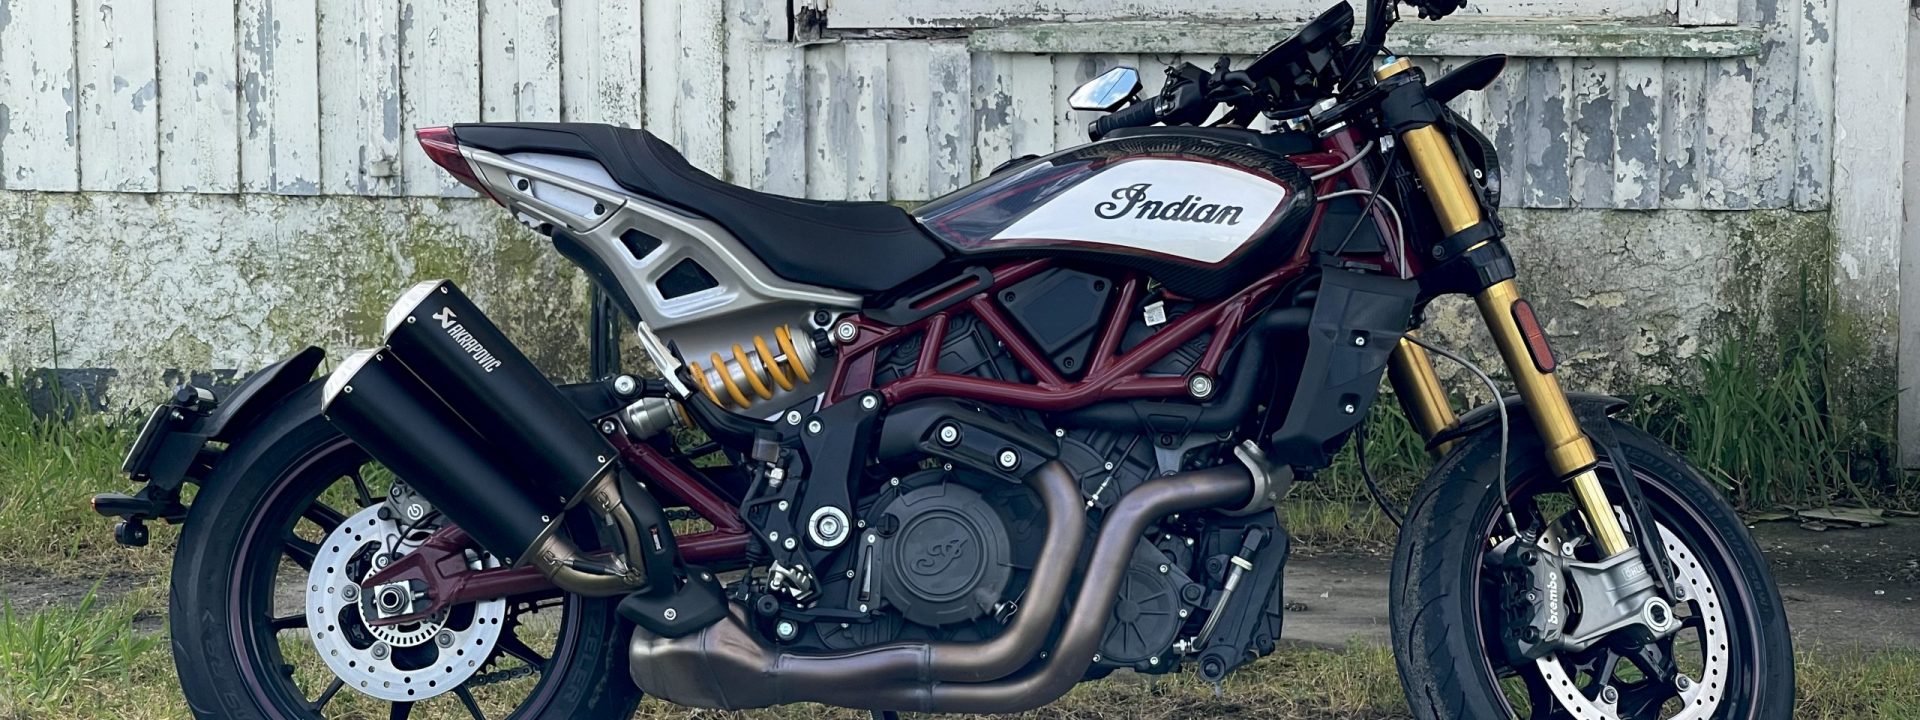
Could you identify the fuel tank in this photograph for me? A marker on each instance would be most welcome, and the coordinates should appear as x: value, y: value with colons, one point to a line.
x: 1205, y: 213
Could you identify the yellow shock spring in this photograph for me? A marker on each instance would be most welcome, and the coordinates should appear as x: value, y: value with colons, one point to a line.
x: 751, y: 371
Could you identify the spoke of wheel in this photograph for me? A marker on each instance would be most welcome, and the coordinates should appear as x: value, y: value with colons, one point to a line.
x: 326, y: 695
x: 400, y: 711
x: 360, y: 489
x: 301, y: 552
x: 326, y: 517
x: 511, y: 644
x: 290, y: 622
x: 466, y: 698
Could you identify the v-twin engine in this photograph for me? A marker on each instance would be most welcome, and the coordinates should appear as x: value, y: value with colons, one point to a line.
x: 727, y: 665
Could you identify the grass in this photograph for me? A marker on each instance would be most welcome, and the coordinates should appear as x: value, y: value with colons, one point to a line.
x: 1764, y: 421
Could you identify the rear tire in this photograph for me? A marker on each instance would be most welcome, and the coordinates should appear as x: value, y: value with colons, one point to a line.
x: 1439, y: 624
x: 225, y: 670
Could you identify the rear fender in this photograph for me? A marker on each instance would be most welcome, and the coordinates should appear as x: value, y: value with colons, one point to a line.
x: 171, y: 449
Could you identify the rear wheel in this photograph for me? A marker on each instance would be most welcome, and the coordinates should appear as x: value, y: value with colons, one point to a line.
x: 1731, y: 656
x: 292, y: 518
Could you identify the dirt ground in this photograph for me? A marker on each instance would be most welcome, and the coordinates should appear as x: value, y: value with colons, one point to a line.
x: 1844, y: 588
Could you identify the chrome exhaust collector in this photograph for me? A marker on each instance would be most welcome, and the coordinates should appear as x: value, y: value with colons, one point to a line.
x: 726, y: 666
x: 456, y: 410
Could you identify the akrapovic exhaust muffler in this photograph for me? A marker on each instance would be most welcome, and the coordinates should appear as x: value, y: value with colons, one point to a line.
x: 456, y: 410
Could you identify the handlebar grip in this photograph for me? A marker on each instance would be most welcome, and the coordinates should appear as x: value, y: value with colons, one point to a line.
x: 1136, y: 115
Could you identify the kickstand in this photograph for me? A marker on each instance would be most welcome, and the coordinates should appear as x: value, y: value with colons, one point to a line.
x: 885, y: 715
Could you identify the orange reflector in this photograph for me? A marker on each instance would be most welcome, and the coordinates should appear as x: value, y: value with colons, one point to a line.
x: 1536, y: 338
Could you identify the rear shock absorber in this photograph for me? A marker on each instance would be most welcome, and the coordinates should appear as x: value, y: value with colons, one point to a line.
x: 756, y: 374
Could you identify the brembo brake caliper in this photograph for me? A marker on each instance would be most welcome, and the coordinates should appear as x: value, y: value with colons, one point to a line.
x: 1551, y: 602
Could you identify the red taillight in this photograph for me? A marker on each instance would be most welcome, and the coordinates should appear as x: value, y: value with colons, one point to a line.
x: 444, y: 150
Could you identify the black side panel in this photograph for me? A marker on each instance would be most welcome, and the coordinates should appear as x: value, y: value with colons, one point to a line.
x: 856, y: 246
x: 1059, y: 310
x: 1357, y: 321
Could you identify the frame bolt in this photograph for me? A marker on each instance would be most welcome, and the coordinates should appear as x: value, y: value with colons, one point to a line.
x: 814, y: 426
x: 949, y: 434
x: 607, y: 427
x: 793, y: 417
x: 670, y: 614
x: 1359, y: 341
x: 625, y: 385
x: 846, y: 332
x: 782, y: 505
x: 869, y: 402
x: 1163, y: 568
x: 789, y: 544
x: 1200, y: 386
x: 1009, y: 459
x: 786, y: 629
x: 1349, y: 409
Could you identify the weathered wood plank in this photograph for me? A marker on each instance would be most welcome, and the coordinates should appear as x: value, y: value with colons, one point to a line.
x: 660, y: 32
x: 1871, y: 64
x: 909, y: 135
x: 1727, y: 168
x: 976, y: 13
x: 871, y: 151
x: 950, y: 118
x: 39, y: 136
x: 1774, y: 139
x: 199, y: 120
x: 360, y: 124
x: 783, y: 128
x: 279, y: 97
x: 744, y: 108
x: 1682, y: 135
x: 119, y: 96
x: 1456, y: 37
x: 1506, y: 118
x: 701, y: 106
x: 1548, y: 86
x: 830, y: 122
x: 993, y: 114
x: 439, y: 69
x: 1592, y: 142
x: 1637, y: 121
x: 602, y: 46
x: 1030, y: 88
x: 520, y: 61
x: 1708, y: 12
x: 1813, y: 107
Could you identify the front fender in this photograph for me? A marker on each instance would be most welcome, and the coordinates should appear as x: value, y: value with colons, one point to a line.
x: 1591, y: 409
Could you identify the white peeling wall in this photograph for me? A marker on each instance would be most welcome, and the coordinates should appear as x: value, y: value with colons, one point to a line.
x: 188, y: 185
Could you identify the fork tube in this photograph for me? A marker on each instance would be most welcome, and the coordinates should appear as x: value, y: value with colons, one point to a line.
x: 1421, y: 395
x: 1569, y: 452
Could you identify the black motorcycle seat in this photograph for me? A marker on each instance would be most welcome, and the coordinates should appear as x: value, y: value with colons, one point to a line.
x: 861, y: 247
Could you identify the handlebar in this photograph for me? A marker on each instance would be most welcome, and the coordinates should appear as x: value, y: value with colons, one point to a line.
x: 1139, y: 114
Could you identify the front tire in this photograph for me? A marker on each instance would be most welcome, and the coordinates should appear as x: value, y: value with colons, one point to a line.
x: 238, y: 649
x: 1445, y: 640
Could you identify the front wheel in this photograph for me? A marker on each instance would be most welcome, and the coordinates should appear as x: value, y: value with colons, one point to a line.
x: 294, y: 515
x: 1452, y: 609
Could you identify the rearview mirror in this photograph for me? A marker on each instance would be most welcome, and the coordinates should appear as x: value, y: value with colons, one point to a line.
x: 1107, y: 92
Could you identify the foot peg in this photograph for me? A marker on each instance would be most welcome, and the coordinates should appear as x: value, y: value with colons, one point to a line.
x: 694, y: 605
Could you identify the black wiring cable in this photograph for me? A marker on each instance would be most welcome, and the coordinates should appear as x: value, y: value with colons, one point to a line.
x: 1373, y: 486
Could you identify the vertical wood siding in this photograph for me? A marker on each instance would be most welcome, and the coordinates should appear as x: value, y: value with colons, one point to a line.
x: 321, y: 97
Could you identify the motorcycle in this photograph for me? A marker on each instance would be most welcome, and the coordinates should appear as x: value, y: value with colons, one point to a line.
x: 961, y: 458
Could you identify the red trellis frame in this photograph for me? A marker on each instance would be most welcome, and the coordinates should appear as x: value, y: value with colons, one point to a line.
x: 1110, y: 374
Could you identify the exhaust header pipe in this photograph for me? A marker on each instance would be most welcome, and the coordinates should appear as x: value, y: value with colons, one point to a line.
x: 459, y: 413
